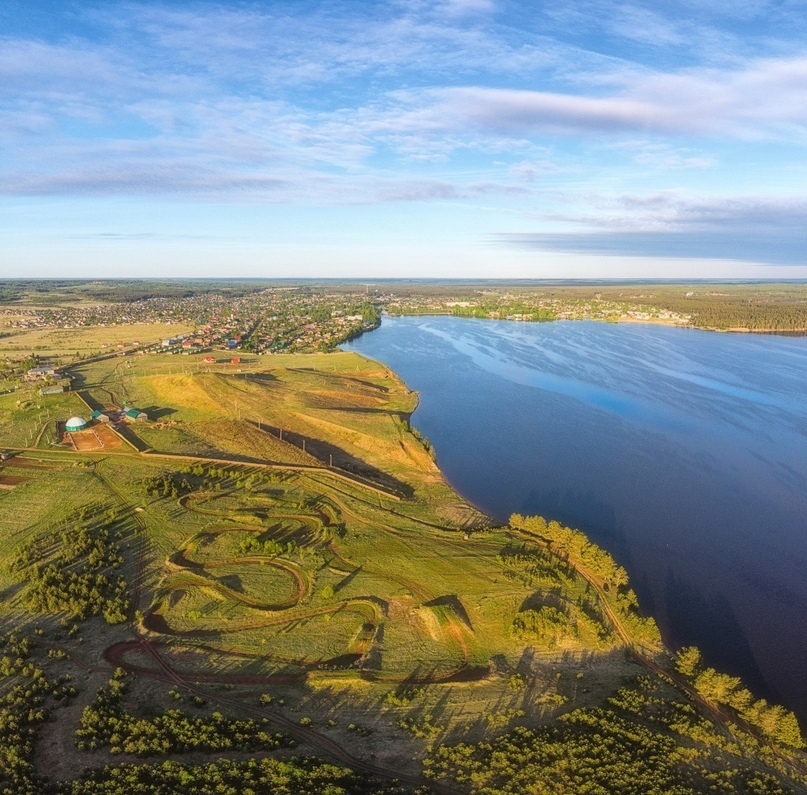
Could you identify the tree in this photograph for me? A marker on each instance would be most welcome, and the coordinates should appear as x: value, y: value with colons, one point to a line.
x: 688, y: 661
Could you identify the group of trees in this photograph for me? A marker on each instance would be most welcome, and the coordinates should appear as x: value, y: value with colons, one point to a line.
x: 546, y: 623
x: 169, y: 485
x: 200, y: 478
x: 26, y: 694
x: 773, y: 721
x: 495, y: 309
x: 74, y: 575
x: 641, y: 743
x: 424, y: 440
x: 298, y: 776
x: 547, y: 626
x: 574, y: 546
x: 533, y: 567
x: 266, y: 546
x: 106, y: 724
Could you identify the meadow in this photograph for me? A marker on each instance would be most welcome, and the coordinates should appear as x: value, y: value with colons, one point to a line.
x: 287, y: 550
x: 81, y: 342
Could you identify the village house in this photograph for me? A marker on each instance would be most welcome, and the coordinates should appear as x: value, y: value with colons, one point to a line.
x: 40, y: 372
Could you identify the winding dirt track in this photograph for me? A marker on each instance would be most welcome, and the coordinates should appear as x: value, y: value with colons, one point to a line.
x: 115, y: 654
x: 185, y: 564
x: 304, y: 734
x: 454, y: 627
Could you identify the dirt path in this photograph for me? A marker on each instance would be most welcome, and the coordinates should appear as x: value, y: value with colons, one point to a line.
x: 304, y: 734
x: 318, y: 741
x: 722, y: 716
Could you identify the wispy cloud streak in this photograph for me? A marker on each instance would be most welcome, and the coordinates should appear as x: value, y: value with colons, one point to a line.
x: 559, y: 118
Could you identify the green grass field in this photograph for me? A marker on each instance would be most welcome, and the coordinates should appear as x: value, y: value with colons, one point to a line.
x: 300, y: 569
x: 364, y: 594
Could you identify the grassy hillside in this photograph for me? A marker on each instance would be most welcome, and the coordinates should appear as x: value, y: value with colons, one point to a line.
x: 330, y: 585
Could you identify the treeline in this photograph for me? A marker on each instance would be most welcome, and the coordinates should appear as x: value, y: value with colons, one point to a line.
x: 719, y: 305
x: 754, y: 307
x: 424, y: 440
x: 574, y: 546
x: 71, y: 570
x: 774, y: 722
x: 642, y: 742
x: 299, y: 776
x: 755, y: 317
x: 757, y: 307
x: 106, y: 724
x: 136, y: 290
x: 200, y: 477
x: 527, y: 311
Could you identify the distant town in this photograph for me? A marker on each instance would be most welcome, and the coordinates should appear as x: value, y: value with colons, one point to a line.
x: 225, y: 320
x: 264, y: 322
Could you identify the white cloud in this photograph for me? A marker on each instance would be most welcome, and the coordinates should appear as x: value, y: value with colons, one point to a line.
x: 465, y: 7
x: 531, y: 171
x: 227, y: 103
x: 670, y: 224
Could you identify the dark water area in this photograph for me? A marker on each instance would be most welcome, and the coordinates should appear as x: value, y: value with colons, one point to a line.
x: 682, y: 452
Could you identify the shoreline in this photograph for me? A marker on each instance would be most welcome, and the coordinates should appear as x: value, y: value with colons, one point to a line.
x: 620, y: 321
x: 498, y: 516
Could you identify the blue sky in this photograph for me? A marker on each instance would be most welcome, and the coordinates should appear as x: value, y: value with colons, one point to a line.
x: 404, y: 138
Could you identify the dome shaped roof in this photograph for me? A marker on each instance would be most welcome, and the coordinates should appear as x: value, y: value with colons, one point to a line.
x: 75, y: 423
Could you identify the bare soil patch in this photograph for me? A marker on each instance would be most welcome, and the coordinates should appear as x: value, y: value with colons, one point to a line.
x: 26, y: 463
x: 99, y: 437
x: 10, y: 481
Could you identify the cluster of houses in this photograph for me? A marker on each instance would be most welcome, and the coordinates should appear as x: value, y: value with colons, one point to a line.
x: 75, y: 424
x: 53, y: 381
x: 127, y: 413
x: 228, y: 335
x: 213, y: 360
x: 122, y: 344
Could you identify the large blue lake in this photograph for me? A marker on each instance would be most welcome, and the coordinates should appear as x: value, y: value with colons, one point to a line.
x: 683, y: 452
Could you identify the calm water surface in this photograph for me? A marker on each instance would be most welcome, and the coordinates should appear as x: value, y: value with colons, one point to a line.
x: 682, y: 452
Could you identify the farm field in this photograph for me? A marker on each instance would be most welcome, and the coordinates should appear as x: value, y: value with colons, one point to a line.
x: 84, y: 341
x: 328, y: 582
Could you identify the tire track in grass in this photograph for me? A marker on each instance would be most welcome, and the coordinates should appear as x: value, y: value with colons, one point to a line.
x: 318, y: 741
x: 304, y: 734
